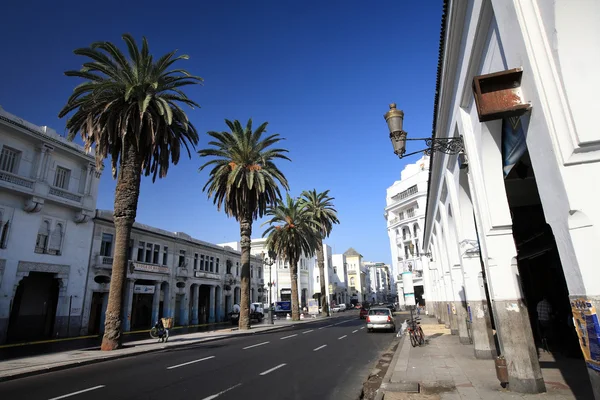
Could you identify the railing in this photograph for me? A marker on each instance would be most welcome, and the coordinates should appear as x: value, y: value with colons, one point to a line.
x: 394, y: 220
x: 16, y: 180
x: 103, y: 260
x: 54, y: 191
x: 404, y: 194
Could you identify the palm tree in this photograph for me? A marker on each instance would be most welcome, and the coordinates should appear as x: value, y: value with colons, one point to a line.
x: 129, y: 110
x: 243, y: 180
x: 291, y: 234
x: 320, y: 207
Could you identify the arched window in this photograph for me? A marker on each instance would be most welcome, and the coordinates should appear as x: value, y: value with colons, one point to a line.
x: 41, y: 244
x: 352, y: 281
x: 56, y: 240
x: 416, y: 230
x: 405, y: 233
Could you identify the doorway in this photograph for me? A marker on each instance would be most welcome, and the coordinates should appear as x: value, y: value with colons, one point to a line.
x: 96, y: 313
x: 34, y: 308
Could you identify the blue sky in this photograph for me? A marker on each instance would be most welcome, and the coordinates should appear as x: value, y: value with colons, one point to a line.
x: 322, y: 73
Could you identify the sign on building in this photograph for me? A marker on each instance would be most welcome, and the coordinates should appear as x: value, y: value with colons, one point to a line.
x: 143, y: 289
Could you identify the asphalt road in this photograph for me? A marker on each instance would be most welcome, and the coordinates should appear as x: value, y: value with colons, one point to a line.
x: 329, y: 359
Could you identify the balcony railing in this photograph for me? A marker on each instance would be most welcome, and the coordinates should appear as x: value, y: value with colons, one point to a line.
x: 58, y: 192
x: 16, y: 180
x: 103, y: 261
x: 408, y: 192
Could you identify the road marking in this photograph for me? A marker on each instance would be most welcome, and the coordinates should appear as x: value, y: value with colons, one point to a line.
x: 308, y: 331
x: 320, y: 347
x: 341, y: 337
x: 76, y: 393
x: 287, y: 337
x: 326, y: 326
x: 272, y: 369
x: 214, y: 396
x: 190, y: 362
x: 355, y: 331
x: 343, y: 322
x: 362, y: 327
x: 255, y: 345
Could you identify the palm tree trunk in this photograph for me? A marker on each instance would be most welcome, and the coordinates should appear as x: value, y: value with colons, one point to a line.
x: 125, y: 209
x: 321, y: 263
x: 245, y: 242
x: 294, y: 279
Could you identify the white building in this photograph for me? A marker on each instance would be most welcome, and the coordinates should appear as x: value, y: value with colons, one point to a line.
x: 380, y: 282
x: 516, y: 218
x: 48, y: 191
x: 331, y: 280
x: 358, y: 277
x: 171, y: 275
x: 279, y: 274
x: 405, y: 214
x: 340, y: 283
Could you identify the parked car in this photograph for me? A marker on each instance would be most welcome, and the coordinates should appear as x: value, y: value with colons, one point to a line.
x: 380, y: 318
x: 364, y: 311
x: 256, y: 313
x: 335, y: 308
x: 343, y: 307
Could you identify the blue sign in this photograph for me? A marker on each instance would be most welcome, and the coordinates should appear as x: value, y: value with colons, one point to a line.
x: 283, y: 306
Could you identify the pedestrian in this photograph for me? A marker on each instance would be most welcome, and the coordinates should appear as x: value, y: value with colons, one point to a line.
x: 544, y: 317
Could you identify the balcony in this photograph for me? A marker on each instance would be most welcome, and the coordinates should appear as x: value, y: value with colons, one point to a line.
x: 11, y: 179
x: 63, y: 194
x: 103, y: 261
x: 207, y: 275
x: 406, y: 193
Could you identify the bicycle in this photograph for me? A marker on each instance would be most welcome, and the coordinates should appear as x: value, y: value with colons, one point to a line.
x: 417, y: 338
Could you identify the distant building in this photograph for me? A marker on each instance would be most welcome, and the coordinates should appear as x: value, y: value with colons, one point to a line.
x: 357, y: 276
x: 340, y: 284
x: 48, y: 192
x: 380, y: 282
x: 170, y: 274
x: 405, y: 215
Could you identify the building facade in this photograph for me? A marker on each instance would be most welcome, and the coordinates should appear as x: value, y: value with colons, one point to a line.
x: 340, y: 283
x: 170, y: 274
x: 380, y: 282
x: 405, y: 215
x: 48, y: 191
x: 515, y: 218
x: 358, y: 277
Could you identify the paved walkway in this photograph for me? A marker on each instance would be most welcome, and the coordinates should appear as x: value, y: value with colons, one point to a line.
x: 16, y: 368
x: 447, y: 370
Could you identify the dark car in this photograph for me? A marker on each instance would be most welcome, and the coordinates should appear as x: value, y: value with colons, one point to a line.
x: 364, y: 311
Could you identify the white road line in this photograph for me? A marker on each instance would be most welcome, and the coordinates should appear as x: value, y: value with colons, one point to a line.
x: 341, y: 337
x: 214, y: 396
x: 355, y: 331
x: 190, y: 362
x: 272, y: 369
x: 362, y: 327
x: 78, y: 392
x: 343, y: 322
x: 320, y: 347
x: 287, y: 337
x: 326, y: 326
x: 255, y: 345
x: 308, y: 331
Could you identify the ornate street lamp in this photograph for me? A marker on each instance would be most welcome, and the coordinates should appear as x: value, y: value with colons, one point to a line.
x: 395, y: 119
x: 269, y: 260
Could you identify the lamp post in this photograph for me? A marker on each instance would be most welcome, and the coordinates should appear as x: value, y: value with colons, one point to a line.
x: 395, y: 120
x: 269, y: 260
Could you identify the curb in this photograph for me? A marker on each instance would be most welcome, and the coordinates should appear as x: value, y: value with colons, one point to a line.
x: 121, y: 356
x: 388, y: 375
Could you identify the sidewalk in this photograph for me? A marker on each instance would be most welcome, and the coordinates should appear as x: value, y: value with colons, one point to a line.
x: 446, y: 369
x: 21, y: 367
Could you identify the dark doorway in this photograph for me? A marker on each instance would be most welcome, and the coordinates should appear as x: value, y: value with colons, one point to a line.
x: 95, y: 313
x: 203, y: 304
x: 34, y: 308
x: 141, y: 314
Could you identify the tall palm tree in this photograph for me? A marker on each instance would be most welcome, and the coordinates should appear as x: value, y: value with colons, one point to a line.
x: 129, y: 110
x: 320, y: 208
x: 291, y: 234
x: 243, y: 181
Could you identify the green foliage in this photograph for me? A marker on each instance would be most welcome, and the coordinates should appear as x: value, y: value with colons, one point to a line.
x: 133, y: 101
x: 243, y: 178
x: 321, y: 210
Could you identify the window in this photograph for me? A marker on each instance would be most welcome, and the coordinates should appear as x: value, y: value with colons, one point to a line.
x: 149, y: 253
x: 415, y: 229
x: 106, y: 245
x: 417, y: 247
x: 141, y: 247
x: 61, y: 178
x: 410, y: 212
x: 195, y: 261
x: 182, y: 258
x: 41, y: 242
x: 260, y: 272
x: 165, y: 254
x: 317, y: 278
x: 130, y: 250
x: 217, y: 266
x: 56, y: 239
x: 4, y: 225
x: 251, y: 271
x: 352, y: 281
x: 9, y: 160
x: 202, y: 266
x: 156, y: 254
x: 335, y: 270
x: 228, y: 266
x: 237, y: 269
x: 212, y: 262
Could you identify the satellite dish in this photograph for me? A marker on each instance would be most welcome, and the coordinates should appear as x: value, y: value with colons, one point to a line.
x: 236, y: 308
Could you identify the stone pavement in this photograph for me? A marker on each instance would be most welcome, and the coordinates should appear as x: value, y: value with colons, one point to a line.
x: 448, y: 370
x: 21, y: 367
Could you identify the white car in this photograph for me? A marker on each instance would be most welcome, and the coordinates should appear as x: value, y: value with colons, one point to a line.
x: 335, y: 308
x: 380, y: 318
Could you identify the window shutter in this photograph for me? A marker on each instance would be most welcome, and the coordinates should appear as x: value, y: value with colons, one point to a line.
x: 56, y: 239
